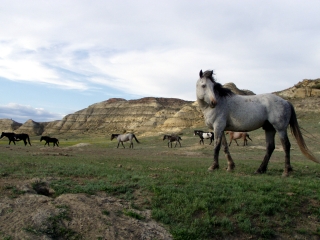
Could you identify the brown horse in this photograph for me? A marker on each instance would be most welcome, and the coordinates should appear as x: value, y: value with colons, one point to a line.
x: 172, y: 138
x: 238, y: 135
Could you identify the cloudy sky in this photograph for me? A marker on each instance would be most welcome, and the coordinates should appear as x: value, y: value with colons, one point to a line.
x: 58, y: 57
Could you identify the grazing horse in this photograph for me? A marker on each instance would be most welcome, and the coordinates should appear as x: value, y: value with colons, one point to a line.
x: 204, y: 135
x: 225, y: 111
x: 172, y: 138
x: 48, y: 140
x: 124, y: 137
x: 16, y: 137
x: 237, y: 135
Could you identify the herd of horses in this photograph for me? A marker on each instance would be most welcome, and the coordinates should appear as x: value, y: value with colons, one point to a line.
x: 14, y: 137
x: 227, y: 113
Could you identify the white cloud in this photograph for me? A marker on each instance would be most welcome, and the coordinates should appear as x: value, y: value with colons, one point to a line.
x: 22, y: 113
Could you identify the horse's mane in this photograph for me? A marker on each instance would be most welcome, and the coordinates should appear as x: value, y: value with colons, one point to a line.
x: 209, y: 74
x: 222, y: 91
x: 218, y: 88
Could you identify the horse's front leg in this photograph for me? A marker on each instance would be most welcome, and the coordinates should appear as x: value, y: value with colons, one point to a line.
x: 216, y: 150
x: 231, y: 164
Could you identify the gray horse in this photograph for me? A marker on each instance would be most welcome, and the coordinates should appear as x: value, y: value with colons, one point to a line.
x: 225, y: 111
x: 124, y: 138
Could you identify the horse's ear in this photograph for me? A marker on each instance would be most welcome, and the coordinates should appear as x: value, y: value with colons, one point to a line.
x: 211, y: 72
x: 201, y: 73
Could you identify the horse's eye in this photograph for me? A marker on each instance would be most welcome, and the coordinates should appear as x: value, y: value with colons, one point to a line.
x: 203, y: 85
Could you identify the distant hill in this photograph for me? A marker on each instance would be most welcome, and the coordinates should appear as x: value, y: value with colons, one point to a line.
x: 149, y: 115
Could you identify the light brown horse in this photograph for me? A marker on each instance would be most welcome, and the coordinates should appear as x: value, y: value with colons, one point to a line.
x: 238, y: 135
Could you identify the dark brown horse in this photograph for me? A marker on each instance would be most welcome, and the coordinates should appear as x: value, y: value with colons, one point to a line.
x: 172, y: 138
x: 238, y: 135
x: 48, y: 140
x: 13, y: 137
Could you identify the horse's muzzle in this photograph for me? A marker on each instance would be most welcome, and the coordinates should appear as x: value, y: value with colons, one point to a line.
x: 213, y: 103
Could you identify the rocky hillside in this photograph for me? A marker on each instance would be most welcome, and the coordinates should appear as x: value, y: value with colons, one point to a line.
x: 149, y: 115
x: 120, y: 115
x: 304, y: 89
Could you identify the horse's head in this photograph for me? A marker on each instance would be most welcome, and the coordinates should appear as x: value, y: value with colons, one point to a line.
x: 44, y: 138
x: 2, y: 135
x: 205, y: 92
x: 209, y: 91
x: 113, y: 136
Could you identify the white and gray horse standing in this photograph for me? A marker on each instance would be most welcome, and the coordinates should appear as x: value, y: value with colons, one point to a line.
x: 225, y: 111
x: 124, y: 138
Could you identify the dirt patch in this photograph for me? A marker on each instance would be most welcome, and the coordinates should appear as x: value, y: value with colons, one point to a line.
x: 33, y: 214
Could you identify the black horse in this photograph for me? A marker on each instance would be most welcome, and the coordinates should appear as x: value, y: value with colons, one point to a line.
x: 204, y: 135
x: 48, y: 140
x: 16, y: 137
x: 172, y: 138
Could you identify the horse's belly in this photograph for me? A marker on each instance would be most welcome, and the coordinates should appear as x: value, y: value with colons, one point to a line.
x: 245, y: 126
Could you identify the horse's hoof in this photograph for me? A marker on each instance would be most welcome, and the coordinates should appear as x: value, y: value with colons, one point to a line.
x: 211, y: 168
x: 285, y: 174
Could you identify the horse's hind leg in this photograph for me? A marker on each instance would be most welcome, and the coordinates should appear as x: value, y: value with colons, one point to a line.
x: 286, y: 147
x: 270, y: 133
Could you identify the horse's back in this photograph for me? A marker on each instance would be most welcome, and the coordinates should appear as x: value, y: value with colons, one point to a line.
x: 247, y: 113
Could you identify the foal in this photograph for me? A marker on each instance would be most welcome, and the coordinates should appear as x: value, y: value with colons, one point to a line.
x: 48, y: 140
x: 237, y: 135
x: 172, y: 138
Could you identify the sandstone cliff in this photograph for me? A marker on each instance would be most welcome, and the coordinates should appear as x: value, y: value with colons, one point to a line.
x: 304, y: 89
x: 9, y: 125
x: 120, y: 115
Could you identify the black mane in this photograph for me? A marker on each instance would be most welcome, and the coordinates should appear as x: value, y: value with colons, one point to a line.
x: 222, y: 91
x: 218, y: 88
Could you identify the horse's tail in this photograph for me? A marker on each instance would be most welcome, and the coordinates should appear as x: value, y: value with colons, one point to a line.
x: 295, y: 130
x: 135, y: 138
x: 249, y: 137
x: 28, y: 139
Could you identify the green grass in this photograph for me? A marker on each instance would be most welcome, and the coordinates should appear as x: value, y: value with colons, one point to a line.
x: 175, y: 184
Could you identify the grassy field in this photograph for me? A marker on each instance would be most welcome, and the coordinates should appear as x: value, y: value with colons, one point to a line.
x: 176, y: 186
